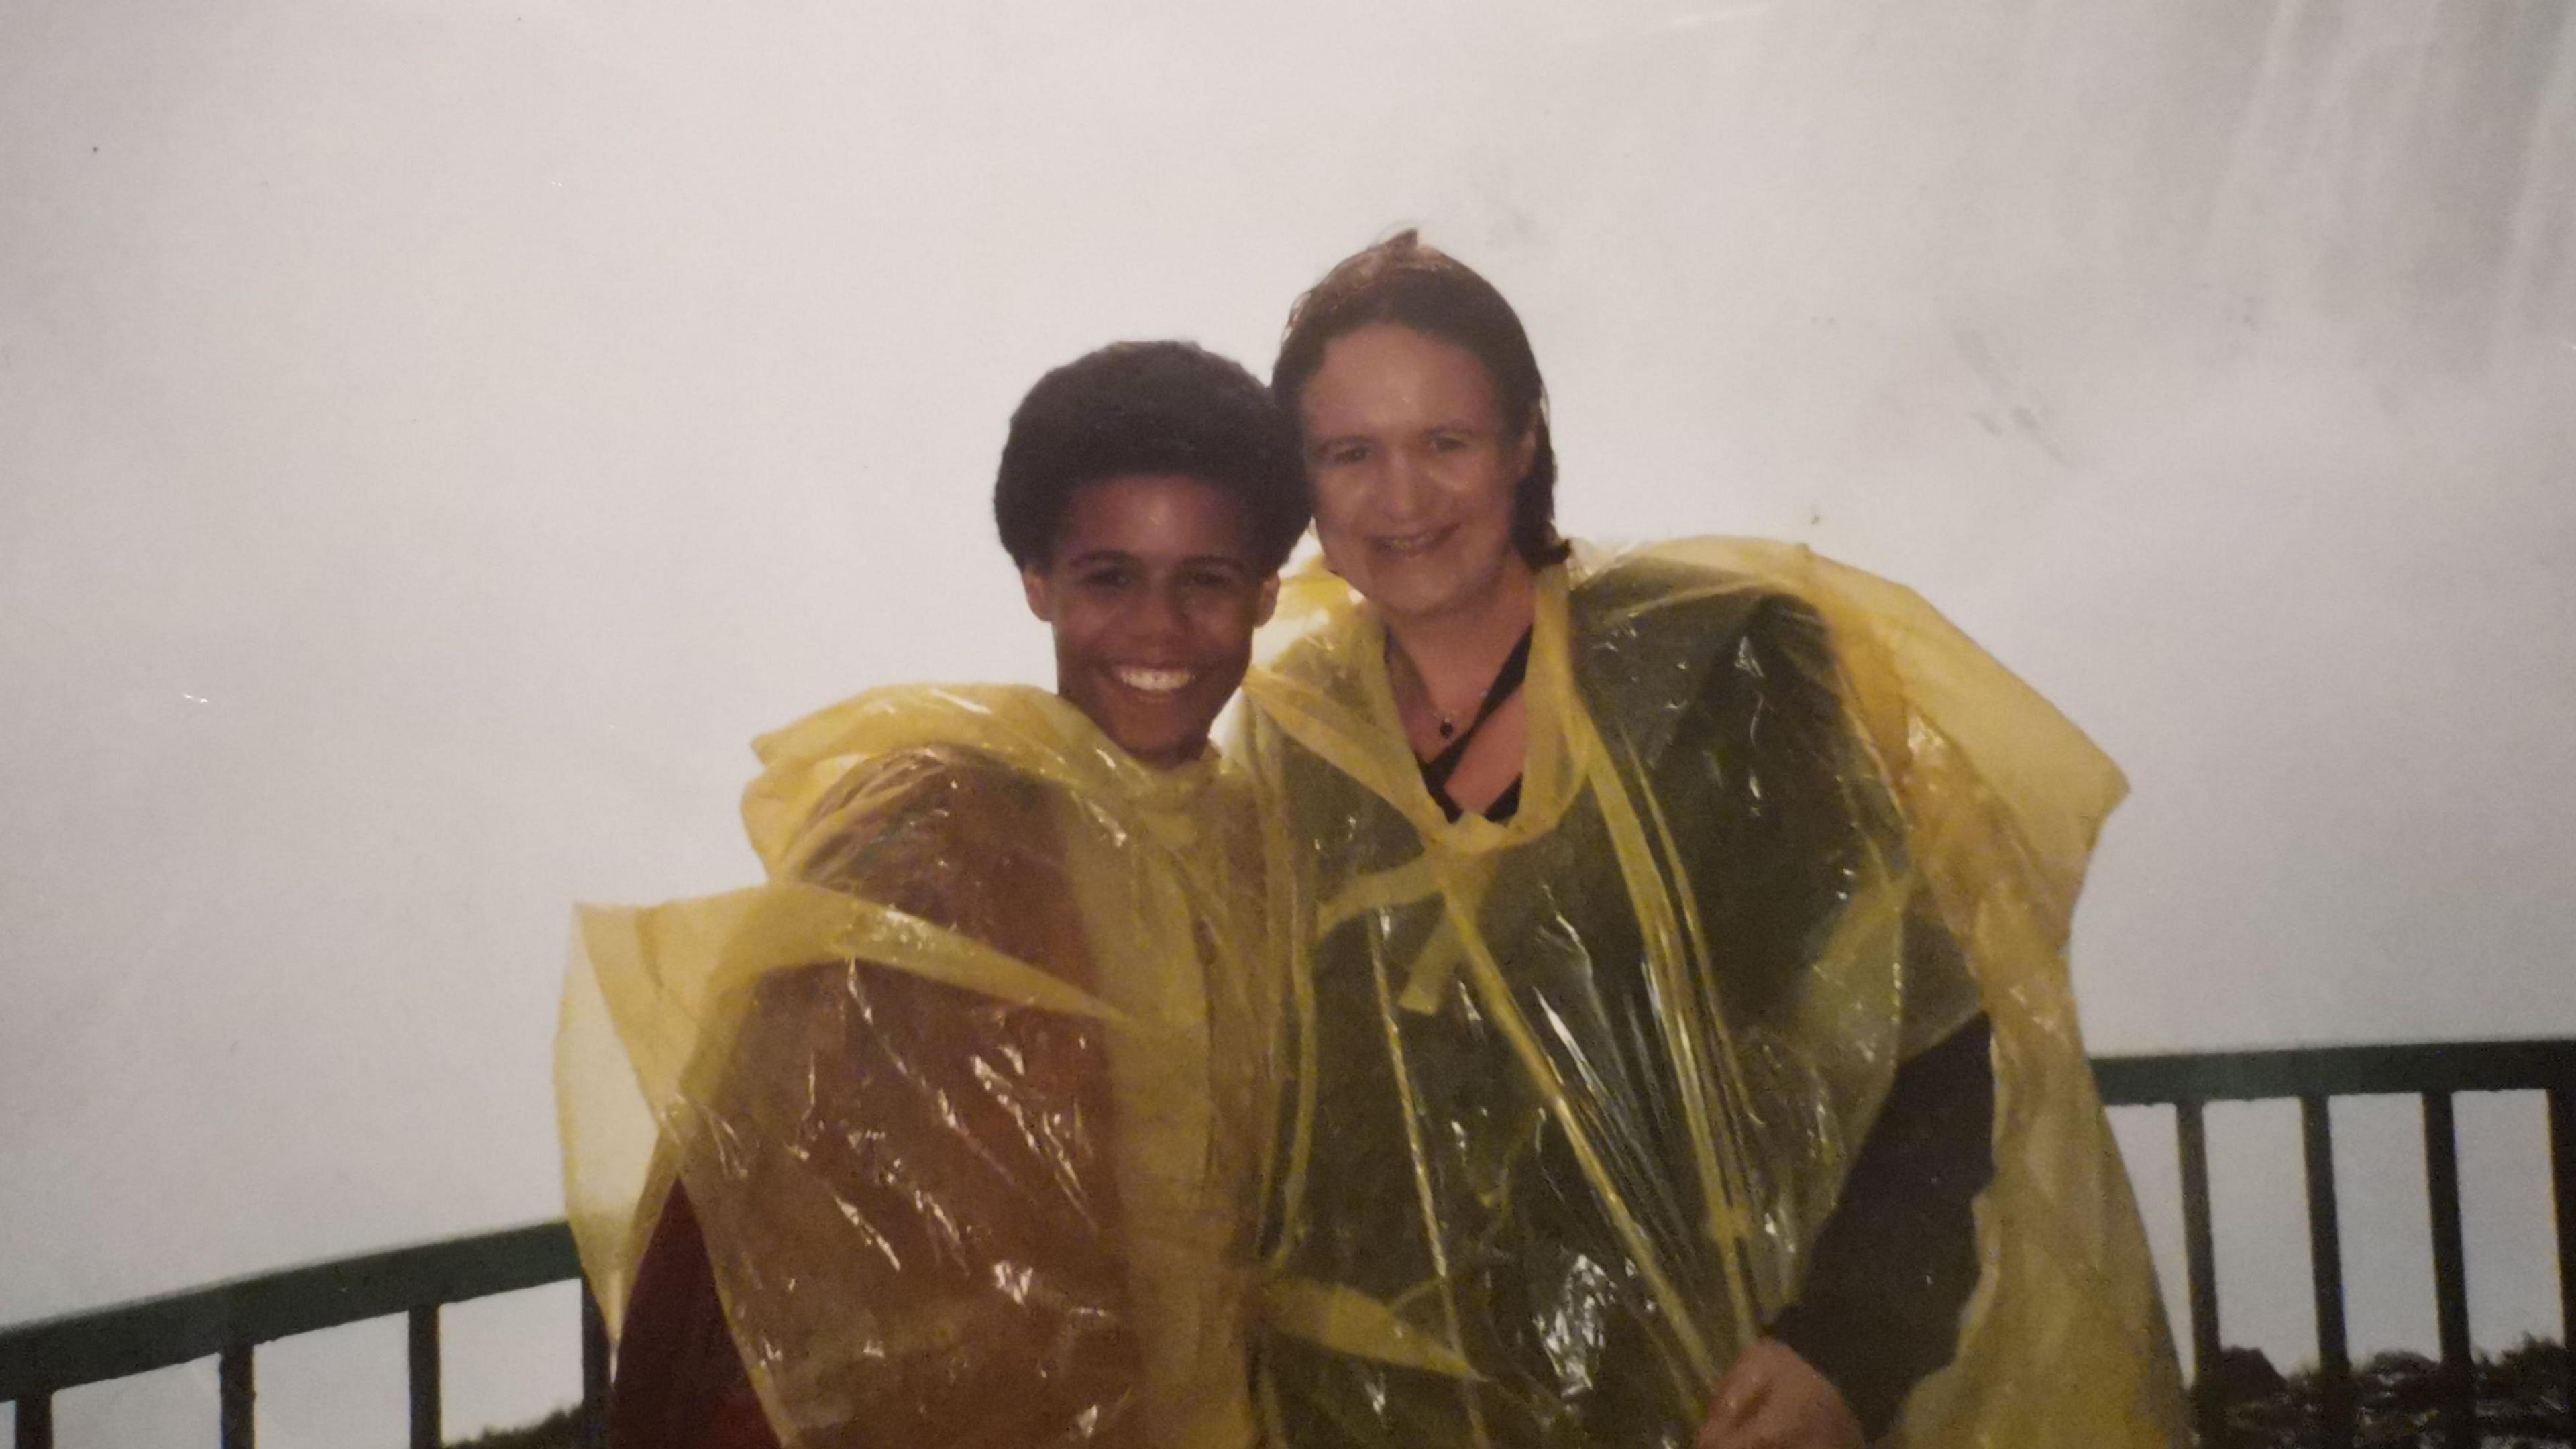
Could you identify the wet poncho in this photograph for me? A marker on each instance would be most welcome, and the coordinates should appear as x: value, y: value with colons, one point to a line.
x: 966, y: 1097
x: 1571, y: 1095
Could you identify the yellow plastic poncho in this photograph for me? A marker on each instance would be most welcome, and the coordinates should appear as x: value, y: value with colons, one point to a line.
x: 1571, y: 1095
x: 966, y: 1097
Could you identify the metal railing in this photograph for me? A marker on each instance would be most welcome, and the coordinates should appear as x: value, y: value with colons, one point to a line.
x: 229, y: 1321
x: 2314, y: 1076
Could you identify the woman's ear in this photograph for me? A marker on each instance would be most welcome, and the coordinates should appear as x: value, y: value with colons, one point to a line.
x: 1269, y: 601
x: 1033, y: 582
x: 1525, y: 448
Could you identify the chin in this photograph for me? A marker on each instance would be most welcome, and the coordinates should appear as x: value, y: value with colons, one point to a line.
x: 1419, y: 599
x: 1424, y: 590
x: 1160, y: 744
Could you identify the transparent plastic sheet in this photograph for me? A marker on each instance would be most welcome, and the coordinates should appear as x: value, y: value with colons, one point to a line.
x: 966, y: 1097
x: 1570, y: 1096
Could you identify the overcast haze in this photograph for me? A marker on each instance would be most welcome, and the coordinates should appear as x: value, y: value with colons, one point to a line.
x: 434, y: 437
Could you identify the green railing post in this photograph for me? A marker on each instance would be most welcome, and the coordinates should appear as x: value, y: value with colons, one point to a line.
x: 237, y: 1399
x: 594, y: 1372
x: 36, y: 1422
x: 425, y: 1403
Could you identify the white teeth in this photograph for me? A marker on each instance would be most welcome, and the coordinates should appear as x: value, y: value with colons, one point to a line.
x: 1155, y: 681
x: 1411, y: 542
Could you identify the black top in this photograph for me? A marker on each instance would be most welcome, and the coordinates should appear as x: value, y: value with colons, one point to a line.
x: 1878, y: 1307
x: 1729, y: 703
x: 1437, y: 770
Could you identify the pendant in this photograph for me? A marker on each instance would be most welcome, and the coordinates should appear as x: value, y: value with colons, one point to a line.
x: 1446, y: 728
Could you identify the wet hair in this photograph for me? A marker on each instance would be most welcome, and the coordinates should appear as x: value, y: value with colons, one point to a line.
x: 1149, y: 407
x: 1403, y: 281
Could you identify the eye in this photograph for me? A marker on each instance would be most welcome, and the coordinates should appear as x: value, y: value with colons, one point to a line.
x: 1208, y: 579
x: 1105, y: 578
x: 1342, y: 454
x: 1450, y: 442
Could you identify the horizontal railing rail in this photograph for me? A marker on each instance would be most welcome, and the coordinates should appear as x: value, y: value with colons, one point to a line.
x: 2336, y: 1071
x: 229, y: 1321
x: 2432, y: 1072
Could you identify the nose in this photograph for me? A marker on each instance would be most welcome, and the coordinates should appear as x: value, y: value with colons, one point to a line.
x: 1157, y: 617
x: 1404, y: 487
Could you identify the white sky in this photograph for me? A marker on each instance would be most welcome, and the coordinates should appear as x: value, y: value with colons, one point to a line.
x: 434, y: 437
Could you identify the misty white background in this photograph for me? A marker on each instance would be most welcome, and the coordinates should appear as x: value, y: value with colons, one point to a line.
x: 434, y: 437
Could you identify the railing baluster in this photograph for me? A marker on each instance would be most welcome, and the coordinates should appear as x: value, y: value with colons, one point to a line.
x: 2562, y: 1177
x: 234, y: 1387
x: 2200, y: 1256
x: 36, y: 1422
x: 594, y: 1372
x: 2325, y: 1265
x: 2450, y: 1272
x: 425, y: 1379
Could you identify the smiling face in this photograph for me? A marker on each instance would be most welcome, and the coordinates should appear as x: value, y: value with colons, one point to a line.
x: 1154, y: 588
x: 1414, y: 470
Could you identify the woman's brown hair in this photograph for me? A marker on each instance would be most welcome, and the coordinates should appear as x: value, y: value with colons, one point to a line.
x: 1403, y: 281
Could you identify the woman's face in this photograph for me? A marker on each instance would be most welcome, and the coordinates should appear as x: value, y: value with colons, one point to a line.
x: 1414, y: 471
x: 1154, y: 591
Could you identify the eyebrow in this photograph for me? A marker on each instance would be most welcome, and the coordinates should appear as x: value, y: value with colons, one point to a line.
x: 1120, y: 555
x: 1444, y: 425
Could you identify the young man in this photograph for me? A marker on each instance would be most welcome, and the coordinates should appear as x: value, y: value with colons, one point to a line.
x: 952, y: 1123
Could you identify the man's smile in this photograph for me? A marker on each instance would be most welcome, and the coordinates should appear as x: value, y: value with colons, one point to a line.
x: 1153, y: 681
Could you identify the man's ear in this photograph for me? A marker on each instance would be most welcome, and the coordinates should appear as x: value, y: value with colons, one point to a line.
x: 1033, y: 582
x: 1269, y: 601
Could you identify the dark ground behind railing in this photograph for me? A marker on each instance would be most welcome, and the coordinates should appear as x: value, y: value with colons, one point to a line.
x: 229, y: 1321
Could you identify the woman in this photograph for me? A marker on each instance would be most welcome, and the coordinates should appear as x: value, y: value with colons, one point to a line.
x: 944, y: 1135
x: 1656, y: 923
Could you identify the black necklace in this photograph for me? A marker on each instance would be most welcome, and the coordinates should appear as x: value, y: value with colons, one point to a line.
x: 1437, y: 770
x: 1507, y: 682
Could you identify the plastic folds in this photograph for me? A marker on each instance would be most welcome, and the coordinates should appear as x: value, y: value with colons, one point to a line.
x: 1573, y: 1098
x: 968, y: 1098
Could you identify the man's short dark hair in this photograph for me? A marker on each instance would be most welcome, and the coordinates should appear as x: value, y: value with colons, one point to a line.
x: 1149, y: 407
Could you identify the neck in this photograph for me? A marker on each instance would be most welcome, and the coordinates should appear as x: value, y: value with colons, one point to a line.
x: 1173, y: 758
x: 1165, y: 757
x: 1457, y: 652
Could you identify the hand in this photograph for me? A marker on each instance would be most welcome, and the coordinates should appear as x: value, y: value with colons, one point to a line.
x: 1773, y: 1399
